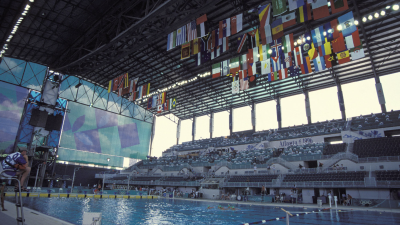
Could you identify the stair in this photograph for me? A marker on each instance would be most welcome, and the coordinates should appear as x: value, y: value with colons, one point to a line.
x: 340, y: 156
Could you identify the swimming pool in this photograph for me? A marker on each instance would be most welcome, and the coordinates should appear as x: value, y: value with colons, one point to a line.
x: 169, y: 211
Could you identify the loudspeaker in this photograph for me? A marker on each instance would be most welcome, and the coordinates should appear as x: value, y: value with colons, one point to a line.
x: 58, y: 122
x: 50, y: 123
x: 38, y: 118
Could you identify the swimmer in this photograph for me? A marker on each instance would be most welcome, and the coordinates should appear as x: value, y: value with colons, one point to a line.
x: 209, y: 207
x: 221, y: 208
x: 232, y: 208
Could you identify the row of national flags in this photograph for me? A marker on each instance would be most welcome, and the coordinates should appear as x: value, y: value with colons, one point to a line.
x: 123, y: 86
x: 161, y: 103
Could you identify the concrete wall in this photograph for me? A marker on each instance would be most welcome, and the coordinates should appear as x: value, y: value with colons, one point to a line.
x: 211, y: 193
x: 307, y: 195
x: 369, y: 193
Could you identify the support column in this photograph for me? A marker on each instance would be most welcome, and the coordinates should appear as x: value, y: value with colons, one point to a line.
x: 378, y: 85
x: 211, y: 124
x: 153, y: 127
x: 308, y: 107
x: 278, y: 112
x: 178, y: 131
x: 230, y: 121
x: 253, y: 116
x: 193, y: 128
x: 341, y: 101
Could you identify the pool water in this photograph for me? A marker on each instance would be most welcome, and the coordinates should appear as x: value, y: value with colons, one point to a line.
x: 169, y: 211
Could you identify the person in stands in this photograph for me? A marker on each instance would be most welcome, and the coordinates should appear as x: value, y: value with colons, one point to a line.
x: 18, y: 163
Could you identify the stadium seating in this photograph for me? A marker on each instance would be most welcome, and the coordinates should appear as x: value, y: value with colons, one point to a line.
x: 335, y: 148
x: 146, y: 178
x: 388, y: 175
x: 376, y: 147
x: 340, y: 176
x: 378, y: 120
x: 253, y: 178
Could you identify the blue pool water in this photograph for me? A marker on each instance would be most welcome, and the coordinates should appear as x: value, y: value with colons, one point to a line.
x: 168, y: 211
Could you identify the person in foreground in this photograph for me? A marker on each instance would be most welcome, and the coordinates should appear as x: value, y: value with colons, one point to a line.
x: 17, y: 161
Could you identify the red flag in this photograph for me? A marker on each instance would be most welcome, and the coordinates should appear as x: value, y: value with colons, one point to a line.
x: 334, y: 25
x: 339, y: 6
x: 338, y: 44
x: 233, y: 25
x: 249, y: 57
x: 320, y: 12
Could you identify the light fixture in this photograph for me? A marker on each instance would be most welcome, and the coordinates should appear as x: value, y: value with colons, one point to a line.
x: 299, y: 41
x: 396, y: 7
x: 376, y: 15
x: 388, y: 7
x: 308, y: 38
x: 339, y: 27
x: 329, y: 4
x: 370, y: 17
x: 356, y: 22
x: 258, y: 55
x: 270, y: 51
x: 108, y: 159
x: 324, y: 33
x: 383, y: 12
x: 295, y: 43
x: 364, y: 19
x: 283, y: 48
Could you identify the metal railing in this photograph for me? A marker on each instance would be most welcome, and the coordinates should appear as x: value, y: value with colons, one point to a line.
x: 340, y: 156
x: 380, y: 159
x: 388, y: 184
x: 312, y: 184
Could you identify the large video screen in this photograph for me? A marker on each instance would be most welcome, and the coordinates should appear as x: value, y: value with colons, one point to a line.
x: 96, y: 131
x: 12, y: 101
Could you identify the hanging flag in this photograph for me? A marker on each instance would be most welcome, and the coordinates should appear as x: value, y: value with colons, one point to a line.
x: 343, y: 57
x: 253, y: 38
x: 173, y: 103
x: 181, y: 36
x: 338, y: 44
x: 163, y: 97
x: 234, y: 65
x: 320, y: 9
x: 255, y: 54
x: 126, y: 80
x: 252, y: 81
x: 288, y: 60
x: 132, y: 86
x: 171, y: 41
x: 331, y: 30
x: 242, y: 43
x: 273, y: 76
x: 283, y: 73
x: 294, y: 71
x: 225, y: 44
x: 313, y: 52
x: 225, y: 28
x: 357, y: 52
x: 339, y: 6
x: 244, y: 84
x: 330, y: 60
x: 319, y: 64
x: 289, y: 20
x: 325, y: 49
x: 155, y: 100
x: 201, y: 27
x: 159, y: 108
x: 191, y: 31
x: 166, y: 105
x: 295, y: 4
x: 236, y: 23
x: 242, y: 74
x: 149, y: 103
x: 275, y: 64
x: 225, y: 67
x: 216, y: 70
x: 243, y: 62
x: 250, y: 56
x: 318, y: 36
x: 306, y: 67
x: 276, y: 48
x: 279, y: 7
x: 195, y: 46
x: 185, y: 51
x: 305, y: 41
x: 264, y: 14
x: 346, y: 22
x: 235, y: 87
x: 288, y: 43
x: 304, y: 13
x: 298, y: 56
x: 277, y: 28
x: 353, y: 40
x: 266, y: 67
x: 252, y: 69
x: 264, y: 52
x: 110, y: 85
x: 116, y: 83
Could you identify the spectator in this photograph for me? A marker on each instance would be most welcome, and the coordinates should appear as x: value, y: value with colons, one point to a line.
x: 300, y: 166
x: 255, y: 169
x: 18, y: 162
x: 2, y: 196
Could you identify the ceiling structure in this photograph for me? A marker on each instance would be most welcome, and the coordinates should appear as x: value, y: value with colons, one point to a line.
x: 98, y: 40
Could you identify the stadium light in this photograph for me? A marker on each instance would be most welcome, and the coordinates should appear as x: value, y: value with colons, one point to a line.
x: 270, y: 51
x: 370, y: 17
x: 339, y: 27
x: 356, y: 22
x: 388, y: 7
x: 383, y: 13
x: 324, y: 33
x: 308, y: 38
x: 364, y: 19
x: 376, y: 15
x: 395, y: 7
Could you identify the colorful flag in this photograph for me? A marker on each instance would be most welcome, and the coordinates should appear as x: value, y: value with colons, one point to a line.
x: 243, y: 62
x: 325, y: 49
x: 155, y: 100
x: 276, y: 48
x: 235, y: 87
x: 126, y: 80
x: 319, y: 64
x: 225, y: 44
x: 171, y: 41
x: 216, y: 70
x: 264, y: 52
x: 288, y: 43
x: 110, y: 85
x: 305, y: 41
x: 298, y: 56
x: 264, y: 14
x: 313, y: 52
x: 252, y: 81
x: 166, y: 105
x: 283, y: 73
x: 295, y: 4
x: 266, y: 67
x: 159, y: 108
x: 185, y: 51
x: 150, y: 103
x: 242, y: 74
x: 288, y: 60
x: 304, y: 13
x: 252, y: 69
x: 277, y: 29
x: 116, y: 83
x: 225, y: 67
x: 339, y: 6
x: 242, y: 43
x: 338, y: 44
x: 289, y: 20
x: 273, y: 76
x: 357, y: 52
x: 244, y: 84
x: 236, y: 23
x: 172, y: 102
x: 195, y: 46
x: 255, y: 54
x: 191, y: 30
x: 234, y: 65
x: 279, y: 7
x: 225, y: 28
x: 275, y: 64
x: 320, y: 9
x: 343, y: 57
x: 318, y: 36
x: 181, y: 36
x: 294, y: 71
x: 330, y: 60
x: 306, y: 67
x: 201, y: 27
x: 353, y: 40
x: 250, y: 56
x: 331, y: 30
x: 253, y: 39
x: 346, y: 23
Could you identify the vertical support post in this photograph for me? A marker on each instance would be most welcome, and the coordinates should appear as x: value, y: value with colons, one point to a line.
x: 178, y: 131
x: 230, y: 121
x: 153, y: 127
x: 211, y: 124
x: 341, y: 100
x: 193, y: 128
x: 378, y: 85
x: 308, y: 106
x: 278, y: 112
x: 253, y: 116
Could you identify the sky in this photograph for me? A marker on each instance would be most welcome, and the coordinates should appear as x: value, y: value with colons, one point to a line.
x: 360, y: 98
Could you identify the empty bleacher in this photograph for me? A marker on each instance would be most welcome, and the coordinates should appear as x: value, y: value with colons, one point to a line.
x: 146, y: 178
x: 254, y: 178
x: 376, y: 147
x: 340, y: 176
x: 175, y: 179
x: 388, y: 175
x: 331, y: 149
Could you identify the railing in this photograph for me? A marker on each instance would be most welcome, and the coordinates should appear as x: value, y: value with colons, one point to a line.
x: 245, y: 184
x: 156, y: 168
x: 379, y: 159
x: 340, y: 156
x: 388, y: 184
x: 161, y: 183
x: 313, y: 184
x: 306, y: 157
